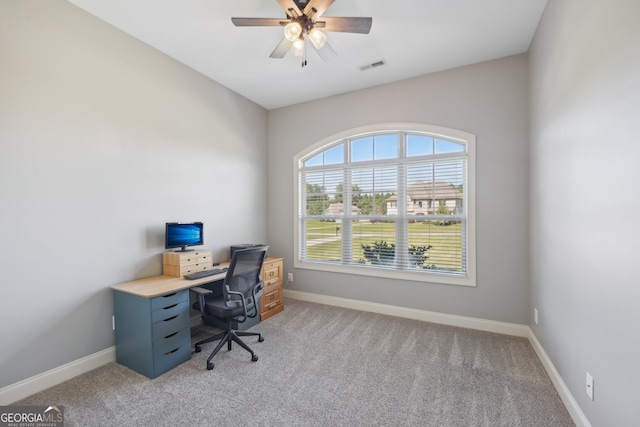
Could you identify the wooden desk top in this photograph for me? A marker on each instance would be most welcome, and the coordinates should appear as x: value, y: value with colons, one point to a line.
x: 156, y: 286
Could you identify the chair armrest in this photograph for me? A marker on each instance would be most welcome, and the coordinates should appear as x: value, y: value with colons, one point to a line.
x: 241, y: 299
x: 201, y: 291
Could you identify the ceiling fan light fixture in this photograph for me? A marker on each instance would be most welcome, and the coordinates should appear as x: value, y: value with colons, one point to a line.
x: 292, y: 31
x: 298, y: 47
x: 302, y: 18
x: 317, y: 37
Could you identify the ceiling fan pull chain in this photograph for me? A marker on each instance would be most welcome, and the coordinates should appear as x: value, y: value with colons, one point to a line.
x: 304, y: 55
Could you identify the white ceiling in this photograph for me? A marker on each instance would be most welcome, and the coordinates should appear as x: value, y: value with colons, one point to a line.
x: 412, y: 37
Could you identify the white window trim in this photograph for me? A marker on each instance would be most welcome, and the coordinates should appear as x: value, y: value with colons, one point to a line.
x: 430, y: 276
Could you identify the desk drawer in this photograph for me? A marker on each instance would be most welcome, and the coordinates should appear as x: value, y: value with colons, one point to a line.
x: 177, y: 258
x: 170, y: 343
x: 168, y: 326
x: 204, y: 266
x: 171, y: 359
x: 204, y: 258
x: 271, y: 297
x: 272, y: 274
x: 167, y: 300
x: 272, y: 310
x: 181, y: 271
x: 170, y: 311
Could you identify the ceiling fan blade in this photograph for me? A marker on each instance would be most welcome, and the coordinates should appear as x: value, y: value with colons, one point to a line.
x: 290, y: 7
x: 281, y: 50
x: 326, y: 53
x: 320, y: 7
x: 257, y: 22
x: 346, y: 25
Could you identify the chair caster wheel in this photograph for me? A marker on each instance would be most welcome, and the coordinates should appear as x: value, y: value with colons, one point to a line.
x: 254, y: 358
x: 197, y: 349
x: 209, y: 366
x: 260, y: 338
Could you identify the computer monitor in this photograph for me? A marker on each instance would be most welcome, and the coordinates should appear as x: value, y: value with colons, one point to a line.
x: 183, y: 234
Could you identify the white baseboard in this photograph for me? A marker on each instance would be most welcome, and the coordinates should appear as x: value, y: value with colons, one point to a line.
x: 567, y: 398
x: 55, y: 376
x: 25, y: 388
x: 464, y: 322
x: 415, y: 314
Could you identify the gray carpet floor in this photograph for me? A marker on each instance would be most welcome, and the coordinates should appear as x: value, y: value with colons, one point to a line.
x: 327, y: 366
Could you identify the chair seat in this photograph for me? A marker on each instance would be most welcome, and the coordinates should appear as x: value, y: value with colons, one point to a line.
x: 215, y: 306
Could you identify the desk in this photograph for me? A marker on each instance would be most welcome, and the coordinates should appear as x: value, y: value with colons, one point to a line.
x: 156, y: 286
x: 152, y: 320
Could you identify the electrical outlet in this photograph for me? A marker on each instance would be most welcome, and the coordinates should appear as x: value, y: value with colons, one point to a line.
x: 290, y: 277
x: 589, y: 386
x: 535, y: 315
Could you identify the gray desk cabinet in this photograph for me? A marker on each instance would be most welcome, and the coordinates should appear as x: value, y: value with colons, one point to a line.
x: 152, y: 334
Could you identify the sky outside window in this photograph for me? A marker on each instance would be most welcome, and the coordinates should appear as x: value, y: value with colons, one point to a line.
x: 380, y: 147
x: 374, y: 148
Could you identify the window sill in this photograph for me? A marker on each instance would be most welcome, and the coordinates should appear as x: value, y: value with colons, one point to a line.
x: 414, y: 276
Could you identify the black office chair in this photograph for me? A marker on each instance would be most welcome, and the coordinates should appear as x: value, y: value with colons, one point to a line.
x: 239, y: 300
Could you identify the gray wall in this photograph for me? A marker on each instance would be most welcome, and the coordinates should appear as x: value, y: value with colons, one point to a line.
x: 585, y: 202
x: 489, y: 100
x: 102, y: 140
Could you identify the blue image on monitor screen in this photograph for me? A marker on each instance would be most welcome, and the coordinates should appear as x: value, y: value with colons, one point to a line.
x: 181, y: 235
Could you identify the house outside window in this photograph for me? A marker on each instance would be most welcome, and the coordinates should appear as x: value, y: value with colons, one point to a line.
x: 430, y: 237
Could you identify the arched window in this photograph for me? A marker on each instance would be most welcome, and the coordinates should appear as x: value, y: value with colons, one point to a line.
x: 390, y: 201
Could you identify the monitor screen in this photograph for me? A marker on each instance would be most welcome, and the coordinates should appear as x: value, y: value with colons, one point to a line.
x: 183, y: 234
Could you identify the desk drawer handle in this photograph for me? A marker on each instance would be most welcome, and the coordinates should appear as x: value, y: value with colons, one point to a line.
x: 170, y: 319
x: 169, y: 307
x: 172, y: 351
x: 170, y: 335
x: 169, y: 295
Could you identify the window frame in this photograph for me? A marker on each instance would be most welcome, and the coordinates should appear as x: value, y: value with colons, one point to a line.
x: 432, y: 276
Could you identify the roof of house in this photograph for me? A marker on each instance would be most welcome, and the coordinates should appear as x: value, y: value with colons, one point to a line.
x: 339, y: 207
x: 437, y: 190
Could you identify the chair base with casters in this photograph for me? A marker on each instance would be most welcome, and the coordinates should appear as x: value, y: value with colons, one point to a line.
x: 229, y: 336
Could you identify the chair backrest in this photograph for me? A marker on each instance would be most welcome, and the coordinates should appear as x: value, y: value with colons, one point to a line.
x: 243, y: 282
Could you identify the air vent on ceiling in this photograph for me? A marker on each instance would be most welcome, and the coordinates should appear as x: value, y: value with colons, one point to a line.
x: 373, y: 65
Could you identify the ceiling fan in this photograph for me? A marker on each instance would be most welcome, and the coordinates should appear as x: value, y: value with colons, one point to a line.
x: 304, y: 21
